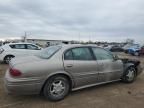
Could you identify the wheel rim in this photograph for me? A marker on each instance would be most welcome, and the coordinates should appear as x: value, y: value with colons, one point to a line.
x: 131, y: 74
x: 57, y: 88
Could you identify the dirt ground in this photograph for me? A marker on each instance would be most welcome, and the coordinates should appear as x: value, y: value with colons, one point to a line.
x: 113, y: 95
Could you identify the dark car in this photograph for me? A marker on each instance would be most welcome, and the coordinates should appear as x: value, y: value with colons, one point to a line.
x: 116, y: 48
x: 141, y: 52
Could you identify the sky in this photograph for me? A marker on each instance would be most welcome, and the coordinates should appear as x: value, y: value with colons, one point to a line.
x: 95, y: 20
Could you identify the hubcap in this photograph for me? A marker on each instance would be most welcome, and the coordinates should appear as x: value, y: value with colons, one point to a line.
x: 131, y: 74
x: 57, y: 88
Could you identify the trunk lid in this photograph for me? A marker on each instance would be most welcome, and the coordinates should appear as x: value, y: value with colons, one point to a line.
x: 22, y: 60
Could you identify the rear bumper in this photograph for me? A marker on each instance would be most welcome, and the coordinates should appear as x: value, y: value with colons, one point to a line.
x: 21, y: 86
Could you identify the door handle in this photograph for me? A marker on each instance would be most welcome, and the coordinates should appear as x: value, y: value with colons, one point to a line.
x: 69, y: 65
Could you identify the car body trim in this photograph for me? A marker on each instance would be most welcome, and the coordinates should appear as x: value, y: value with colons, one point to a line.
x: 91, y: 85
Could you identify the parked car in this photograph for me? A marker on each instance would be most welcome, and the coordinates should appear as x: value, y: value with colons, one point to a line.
x: 134, y: 50
x: 141, y: 52
x: 126, y: 47
x: 11, y: 50
x: 57, y: 70
x: 116, y: 48
x: 131, y: 48
x: 108, y: 47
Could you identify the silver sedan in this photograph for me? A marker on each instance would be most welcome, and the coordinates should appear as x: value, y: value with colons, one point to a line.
x: 57, y: 70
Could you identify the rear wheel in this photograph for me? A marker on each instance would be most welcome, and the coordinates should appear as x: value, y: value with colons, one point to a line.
x: 56, y: 88
x: 129, y: 75
x: 8, y: 58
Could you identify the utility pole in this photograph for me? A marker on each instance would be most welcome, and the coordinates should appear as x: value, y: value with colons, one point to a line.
x: 89, y: 37
x: 24, y: 38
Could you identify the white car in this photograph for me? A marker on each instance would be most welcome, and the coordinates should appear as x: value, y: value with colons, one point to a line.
x: 11, y: 50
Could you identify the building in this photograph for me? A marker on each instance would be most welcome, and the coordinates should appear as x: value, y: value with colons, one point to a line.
x: 1, y: 43
x: 45, y: 43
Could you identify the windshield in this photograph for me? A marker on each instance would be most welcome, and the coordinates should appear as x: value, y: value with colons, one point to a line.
x: 48, y: 52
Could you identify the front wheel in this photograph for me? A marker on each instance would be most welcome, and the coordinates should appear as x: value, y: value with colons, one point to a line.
x: 56, y: 88
x: 129, y: 75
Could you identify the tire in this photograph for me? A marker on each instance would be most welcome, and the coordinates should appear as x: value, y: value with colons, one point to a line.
x: 8, y: 58
x: 56, y: 88
x: 129, y: 75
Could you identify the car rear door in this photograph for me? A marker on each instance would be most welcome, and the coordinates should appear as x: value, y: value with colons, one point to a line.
x: 18, y: 50
x: 109, y: 69
x: 80, y: 63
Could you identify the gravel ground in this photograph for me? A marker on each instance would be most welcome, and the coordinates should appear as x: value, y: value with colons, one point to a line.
x: 113, y: 95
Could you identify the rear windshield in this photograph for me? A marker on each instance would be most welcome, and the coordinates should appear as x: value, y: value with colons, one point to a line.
x: 48, y: 52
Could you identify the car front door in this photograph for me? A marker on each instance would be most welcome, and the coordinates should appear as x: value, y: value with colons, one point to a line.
x: 109, y: 68
x: 80, y: 63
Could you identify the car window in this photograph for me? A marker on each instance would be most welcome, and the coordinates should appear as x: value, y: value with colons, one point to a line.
x: 102, y: 54
x: 48, y: 52
x: 12, y: 46
x: 32, y: 47
x: 18, y: 46
x: 68, y: 55
x: 79, y: 54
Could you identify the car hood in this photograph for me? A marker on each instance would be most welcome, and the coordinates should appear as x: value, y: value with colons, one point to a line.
x: 22, y: 60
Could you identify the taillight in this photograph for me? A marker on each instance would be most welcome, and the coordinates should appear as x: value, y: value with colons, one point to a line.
x: 15, y: 72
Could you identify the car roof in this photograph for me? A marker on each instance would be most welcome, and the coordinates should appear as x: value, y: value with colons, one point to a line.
x: 78, y: 45
x: 19, y: 43
x: 7, y: 45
